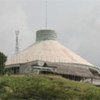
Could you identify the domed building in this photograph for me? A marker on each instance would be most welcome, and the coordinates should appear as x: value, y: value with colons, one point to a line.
x: 47, y: 55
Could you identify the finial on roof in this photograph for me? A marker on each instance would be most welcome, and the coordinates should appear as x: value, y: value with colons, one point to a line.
x: 46, y: 20
x: 42, y: 35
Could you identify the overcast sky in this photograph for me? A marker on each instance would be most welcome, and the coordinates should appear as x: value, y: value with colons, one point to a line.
x: 77, y: 23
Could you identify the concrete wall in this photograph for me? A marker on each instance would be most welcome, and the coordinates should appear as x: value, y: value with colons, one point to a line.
x: 46, y: 35
x: 24, y: 69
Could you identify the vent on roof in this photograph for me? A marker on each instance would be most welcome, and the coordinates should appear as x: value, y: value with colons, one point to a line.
x: 42, y: 35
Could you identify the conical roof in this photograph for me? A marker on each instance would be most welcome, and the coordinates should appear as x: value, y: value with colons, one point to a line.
x: 47, y: 48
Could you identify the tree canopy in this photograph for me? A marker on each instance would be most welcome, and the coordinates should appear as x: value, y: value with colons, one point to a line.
x: 3, y: 59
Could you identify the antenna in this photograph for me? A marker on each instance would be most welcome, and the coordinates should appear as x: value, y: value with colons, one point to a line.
x: 46, y: 23
x: 17, y: 41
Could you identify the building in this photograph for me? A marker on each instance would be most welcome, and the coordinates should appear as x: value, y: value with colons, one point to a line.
x: 47, y: 55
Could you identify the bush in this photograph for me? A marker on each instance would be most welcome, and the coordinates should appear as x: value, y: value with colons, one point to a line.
x: 45, y: 88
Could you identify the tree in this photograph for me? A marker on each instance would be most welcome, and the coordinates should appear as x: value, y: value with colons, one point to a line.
x: 3, y: 59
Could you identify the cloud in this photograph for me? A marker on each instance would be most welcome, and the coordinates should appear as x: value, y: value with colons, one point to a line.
x: 12, y: 17
x: 79, y: 27
x: 77, y: 23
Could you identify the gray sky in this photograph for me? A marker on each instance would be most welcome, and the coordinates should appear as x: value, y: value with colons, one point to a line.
x: 76, y: 21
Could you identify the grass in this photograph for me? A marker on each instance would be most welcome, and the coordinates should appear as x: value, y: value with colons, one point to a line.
x: 42, y: 87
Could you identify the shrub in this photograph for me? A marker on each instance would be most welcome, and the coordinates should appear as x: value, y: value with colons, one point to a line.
x: 45, y: 88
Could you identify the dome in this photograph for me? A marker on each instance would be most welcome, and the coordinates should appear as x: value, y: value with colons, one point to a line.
x: 47, y: 48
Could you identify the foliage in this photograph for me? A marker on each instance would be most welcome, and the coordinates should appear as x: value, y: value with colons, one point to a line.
x: 3, y: 59
x: 45, y: 88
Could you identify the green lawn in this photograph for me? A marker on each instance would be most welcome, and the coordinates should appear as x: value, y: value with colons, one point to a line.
x: 41, y: 87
